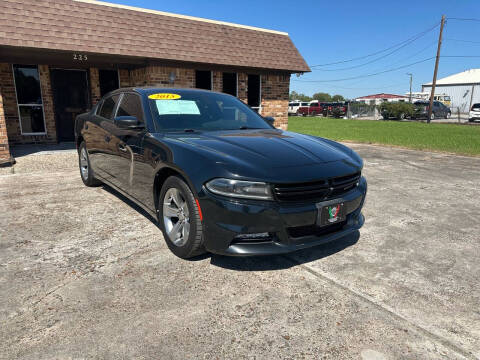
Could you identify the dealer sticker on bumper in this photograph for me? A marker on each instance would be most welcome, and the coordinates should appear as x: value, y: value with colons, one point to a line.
x: 332, y: 214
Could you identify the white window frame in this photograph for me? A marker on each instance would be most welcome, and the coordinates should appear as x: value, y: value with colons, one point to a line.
x: 31, y: 105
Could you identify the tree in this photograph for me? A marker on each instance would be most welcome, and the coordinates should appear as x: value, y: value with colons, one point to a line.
x: 322, y: 97
x: 296, y: 96
x: 338, y: 98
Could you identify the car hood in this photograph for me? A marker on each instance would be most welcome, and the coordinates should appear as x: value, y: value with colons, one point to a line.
x: 268, y: 148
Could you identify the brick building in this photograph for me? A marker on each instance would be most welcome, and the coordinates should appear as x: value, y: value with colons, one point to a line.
x: 57, y: 58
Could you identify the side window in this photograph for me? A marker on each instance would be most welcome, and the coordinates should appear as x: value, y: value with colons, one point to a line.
x: 131, y: 105
x: 99, y: 107
x: 108, y: 106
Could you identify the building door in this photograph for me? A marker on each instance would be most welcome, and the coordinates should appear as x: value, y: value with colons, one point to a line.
x: 70, y: 98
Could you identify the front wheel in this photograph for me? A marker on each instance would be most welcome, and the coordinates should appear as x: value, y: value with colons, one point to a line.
x: 432, y: 117
x: 86, y: 172
x: 401, y: 116
x: 179, y: 219
x: 448, y: 115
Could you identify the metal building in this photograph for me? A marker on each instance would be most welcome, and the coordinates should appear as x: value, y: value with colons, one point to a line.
x: 463, y: 89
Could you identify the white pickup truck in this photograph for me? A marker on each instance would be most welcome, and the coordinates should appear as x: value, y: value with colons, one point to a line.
x: 293, y: 106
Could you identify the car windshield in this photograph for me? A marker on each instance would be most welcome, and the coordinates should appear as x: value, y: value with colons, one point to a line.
x: 476, y: 106
x: 203, y: 111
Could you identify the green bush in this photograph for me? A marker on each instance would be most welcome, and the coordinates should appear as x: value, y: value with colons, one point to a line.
x: 396, y: 110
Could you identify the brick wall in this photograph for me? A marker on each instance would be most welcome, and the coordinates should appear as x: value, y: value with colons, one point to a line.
x: 217, y: 81
x: 275, y: 89
x: 124, y: 76
x: 94, y: 86
x: 4, y: 148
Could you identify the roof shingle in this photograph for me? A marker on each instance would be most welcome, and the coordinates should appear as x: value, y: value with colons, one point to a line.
x: 85, y: 26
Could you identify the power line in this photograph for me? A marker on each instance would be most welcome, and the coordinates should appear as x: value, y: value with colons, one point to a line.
x: 379, y: 52
x: 467, y: 41
x: 460, y: 56
x: 463, y: 19
x: 368, y: 75
x: 383, y: 56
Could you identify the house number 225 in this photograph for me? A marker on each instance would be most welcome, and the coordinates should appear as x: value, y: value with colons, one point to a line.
x: 80, y: 57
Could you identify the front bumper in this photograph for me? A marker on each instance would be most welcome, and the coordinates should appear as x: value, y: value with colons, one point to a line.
x: 474, y: 115
x: 290, y: 226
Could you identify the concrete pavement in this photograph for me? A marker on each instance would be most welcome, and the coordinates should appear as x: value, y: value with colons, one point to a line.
x: 86, y: 274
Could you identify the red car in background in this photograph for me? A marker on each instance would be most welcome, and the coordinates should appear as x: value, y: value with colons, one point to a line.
x: 313, y: 109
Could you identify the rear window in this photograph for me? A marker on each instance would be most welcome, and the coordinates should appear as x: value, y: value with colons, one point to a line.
x: 107, y: 107
x: 476, y: 106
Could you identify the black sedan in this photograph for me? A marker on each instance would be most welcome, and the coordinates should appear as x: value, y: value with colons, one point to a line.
x: 439, y: 110
x: 218, y: 176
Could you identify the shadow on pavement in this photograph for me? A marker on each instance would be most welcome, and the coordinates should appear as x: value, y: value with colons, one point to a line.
x: 24, y: 150
x: 257, y: 263
x: 279, y: 262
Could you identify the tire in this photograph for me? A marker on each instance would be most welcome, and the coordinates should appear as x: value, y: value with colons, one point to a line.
x: 314, y: 113
x: 448, y: 115
x: 86, y: 172
x: 185, y: 242
x: 432, y: 117
x: 470, y: 120
x: 401, y: 116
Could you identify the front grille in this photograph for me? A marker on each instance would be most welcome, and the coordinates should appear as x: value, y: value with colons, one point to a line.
x: 316, y: 190
x: 313, y: 230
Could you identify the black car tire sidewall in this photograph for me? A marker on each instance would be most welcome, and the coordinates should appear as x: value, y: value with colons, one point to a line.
x: 194, y: 245
x: 91, y: 180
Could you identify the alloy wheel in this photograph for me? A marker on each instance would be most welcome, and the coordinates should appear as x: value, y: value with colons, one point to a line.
x: 84, y: 163
x: 176, y: 217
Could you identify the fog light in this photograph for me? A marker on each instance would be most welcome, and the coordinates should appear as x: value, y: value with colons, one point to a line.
x: 255, y: 237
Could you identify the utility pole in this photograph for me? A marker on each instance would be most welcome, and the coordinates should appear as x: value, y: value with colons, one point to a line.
x: 410, y: 97
x: 434, y: 82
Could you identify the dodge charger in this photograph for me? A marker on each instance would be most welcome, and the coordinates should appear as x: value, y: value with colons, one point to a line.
x: 216, y: 175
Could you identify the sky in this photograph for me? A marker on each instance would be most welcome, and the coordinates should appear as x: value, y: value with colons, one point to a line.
x: 333, y: 31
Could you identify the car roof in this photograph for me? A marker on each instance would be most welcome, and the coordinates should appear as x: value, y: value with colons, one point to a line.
x: 148, y: 90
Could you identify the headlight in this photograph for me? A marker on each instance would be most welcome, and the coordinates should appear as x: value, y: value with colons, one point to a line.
x: 240, y: 189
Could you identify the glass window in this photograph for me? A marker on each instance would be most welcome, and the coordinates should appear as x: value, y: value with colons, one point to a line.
x: 130, y: 105
x: 107, y: 107
x: 29, y: 99
x: 205, y: 111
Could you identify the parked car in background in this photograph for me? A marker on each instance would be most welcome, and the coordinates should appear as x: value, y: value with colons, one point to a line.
x: 339, y: 110
x: 314, y: 108
x: 293, y: 106
x: 439, y: 111
x: 474, y: 113
x: 195, y: 161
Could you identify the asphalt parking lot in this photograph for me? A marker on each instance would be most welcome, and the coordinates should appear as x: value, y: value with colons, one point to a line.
x: 86, y: 274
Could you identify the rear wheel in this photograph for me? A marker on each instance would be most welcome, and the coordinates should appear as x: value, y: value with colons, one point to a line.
x: 86, y: 172
x: 448, y: 115
x: 432, y: 117
x: 179, y: 219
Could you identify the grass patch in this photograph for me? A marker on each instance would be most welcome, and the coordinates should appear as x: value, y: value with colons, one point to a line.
x: 460, y: 139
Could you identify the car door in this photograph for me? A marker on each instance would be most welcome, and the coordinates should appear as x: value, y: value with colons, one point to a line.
x: 128, y: 154
x: 99, y: 137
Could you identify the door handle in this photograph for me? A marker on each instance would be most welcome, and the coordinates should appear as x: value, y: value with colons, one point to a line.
x: 122, y: 148
x: 107, y: 138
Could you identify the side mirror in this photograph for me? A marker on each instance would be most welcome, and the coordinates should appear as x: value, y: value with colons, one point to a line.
x: 269, y: 120
x: 128, y: 122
